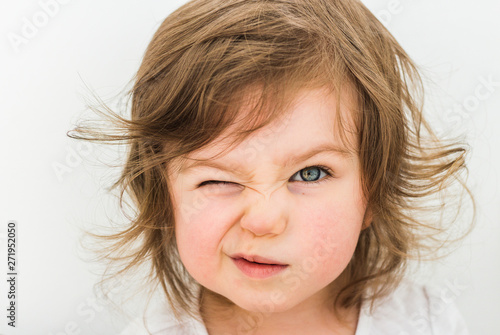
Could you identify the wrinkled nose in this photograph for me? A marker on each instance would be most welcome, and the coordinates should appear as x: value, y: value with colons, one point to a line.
x: 266, y: 213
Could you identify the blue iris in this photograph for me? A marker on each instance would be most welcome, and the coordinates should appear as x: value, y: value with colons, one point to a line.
x: 310, y: 174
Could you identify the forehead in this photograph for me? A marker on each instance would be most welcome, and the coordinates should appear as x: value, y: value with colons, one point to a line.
x: 309, y: 126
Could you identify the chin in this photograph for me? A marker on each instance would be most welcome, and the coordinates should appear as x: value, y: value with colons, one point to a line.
x: 264, y: 305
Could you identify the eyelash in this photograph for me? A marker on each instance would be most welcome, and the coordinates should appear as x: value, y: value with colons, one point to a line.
x: 328, y: 172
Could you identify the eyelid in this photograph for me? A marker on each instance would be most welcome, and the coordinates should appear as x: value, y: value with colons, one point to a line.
x: 214, y: 182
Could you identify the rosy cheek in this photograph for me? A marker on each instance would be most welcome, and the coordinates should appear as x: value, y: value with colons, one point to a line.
x: 332, y: 230
x: 203, y: 227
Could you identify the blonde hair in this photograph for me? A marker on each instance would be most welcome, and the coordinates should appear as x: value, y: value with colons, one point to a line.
x: 191, y: 85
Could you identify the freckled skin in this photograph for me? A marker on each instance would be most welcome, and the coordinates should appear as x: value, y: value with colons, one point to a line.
x: 312, y: 227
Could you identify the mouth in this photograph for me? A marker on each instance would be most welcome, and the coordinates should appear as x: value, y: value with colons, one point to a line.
x: 257, y: 267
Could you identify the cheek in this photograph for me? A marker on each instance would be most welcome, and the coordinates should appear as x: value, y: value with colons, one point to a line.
x: 199, y: 228
x: 330, y: 232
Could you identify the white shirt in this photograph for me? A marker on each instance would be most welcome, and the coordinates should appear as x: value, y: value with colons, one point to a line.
x: 409, y: 310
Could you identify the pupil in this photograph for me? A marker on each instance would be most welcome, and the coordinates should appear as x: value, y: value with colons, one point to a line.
x: 310, y: 174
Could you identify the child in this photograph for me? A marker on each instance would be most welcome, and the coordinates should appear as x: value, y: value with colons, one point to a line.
x: 278, y: 162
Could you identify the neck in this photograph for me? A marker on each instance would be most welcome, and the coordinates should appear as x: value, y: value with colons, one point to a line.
x: 221, y: 316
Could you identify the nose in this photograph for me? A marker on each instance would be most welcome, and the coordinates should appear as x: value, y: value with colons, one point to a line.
x: 266, y: 213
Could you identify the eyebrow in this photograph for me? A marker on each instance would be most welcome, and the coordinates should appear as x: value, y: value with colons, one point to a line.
x: 290, y: 161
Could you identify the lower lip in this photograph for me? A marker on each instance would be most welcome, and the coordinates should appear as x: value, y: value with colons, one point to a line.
x: 256, y: 270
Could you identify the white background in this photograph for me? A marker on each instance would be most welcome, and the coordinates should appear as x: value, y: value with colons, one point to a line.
x: 457, y: 44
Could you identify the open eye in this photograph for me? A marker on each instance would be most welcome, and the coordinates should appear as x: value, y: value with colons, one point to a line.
x: 312, y: 174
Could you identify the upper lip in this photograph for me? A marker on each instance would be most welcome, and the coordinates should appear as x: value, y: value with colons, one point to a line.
x: 257, y: 259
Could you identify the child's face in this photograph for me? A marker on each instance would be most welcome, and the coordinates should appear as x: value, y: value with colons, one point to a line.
x: 272, y: 207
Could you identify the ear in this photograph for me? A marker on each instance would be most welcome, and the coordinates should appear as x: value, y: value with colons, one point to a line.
x: 368, y: 218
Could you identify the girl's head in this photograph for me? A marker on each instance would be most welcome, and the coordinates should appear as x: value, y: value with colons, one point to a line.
x: 306, y: 108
